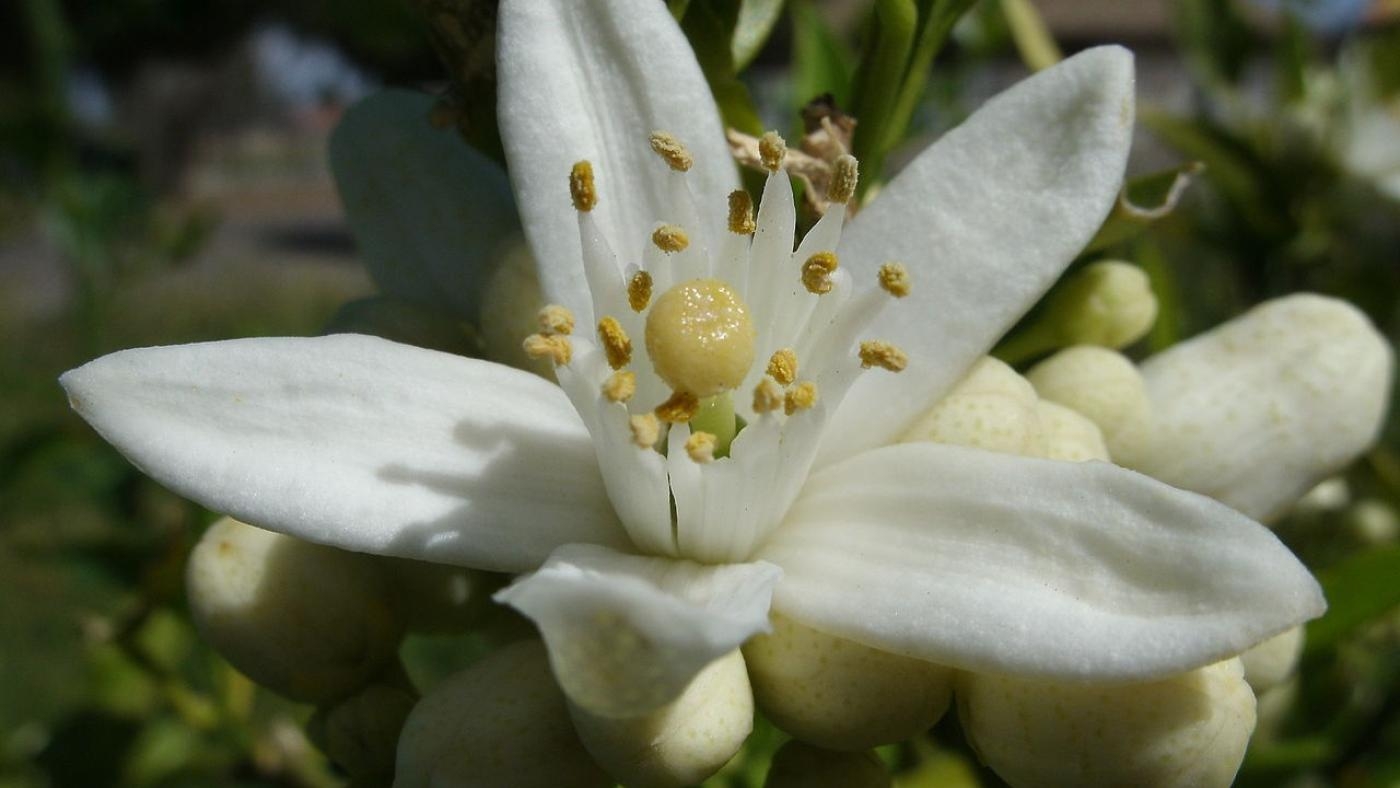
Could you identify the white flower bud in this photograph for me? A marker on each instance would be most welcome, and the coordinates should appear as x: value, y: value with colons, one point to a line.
x: 1109, y: 303
x: 1268, y: 664
x: 502, y: 721
x: 1187, y: 731
x: 800, y: 765
x: 436, y: 598
x: 1104, y: 386
x: 1258, y: 410
x: 361, y: 733
x: 1273, y: 708
x: 682, y: 743
x: 992, y: 408
x: 310, y: 622
x: 509, y: 312
x: 1374, y: 522
x: 840, y: 694
x: 1068, y: 435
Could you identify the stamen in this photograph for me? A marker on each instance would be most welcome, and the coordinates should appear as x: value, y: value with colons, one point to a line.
x: 883, y: 355
x: 554, y: 347
x: 701, y: 447
x: 772, y: 149
x: 616, y: 344
x: 620, y: 386
x: 800, y: 397
x: 581, y: 188
x: 639, y: 291
x: 681, y: 407
x: 817, y: 271
x: 782, y: 367
x: 741, y: 221
x: 672, y: 150
x: 767, y: 396
x: 556, y: 319
x: 845, y: 174
x: 670, y: 238
x: 645, y: 430
x: 894, y: 279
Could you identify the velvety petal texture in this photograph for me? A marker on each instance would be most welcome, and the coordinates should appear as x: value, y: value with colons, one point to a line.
x: 995, y: 563
x: 359, y: 443
x: 1258, y: 410
x: 986, y: 219
x: 430, y: 214
x: 590, y: 79
x: 626, y: 633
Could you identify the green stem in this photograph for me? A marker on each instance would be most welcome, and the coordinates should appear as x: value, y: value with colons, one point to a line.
x: 880, y: 76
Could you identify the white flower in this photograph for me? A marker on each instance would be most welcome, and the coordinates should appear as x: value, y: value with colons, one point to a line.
x: 986, y: 562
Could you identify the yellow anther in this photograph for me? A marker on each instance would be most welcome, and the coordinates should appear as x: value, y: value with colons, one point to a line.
x: 767, y: 396
x: 555, y: 347
x: 782, y: 367
x: 701, y: 447
x: 670, y: 238
x: 639, y: 291
x: 700, y: 337
x: 772, y: 149
x: 616, y: 344
x: 672, y: 150
x: 741, y: 221
x: 817, y: 271
x: 845, y: 174
x: 555, y: 319
x: 620, y: 386
x: 883, y: 355
x: 645, y: 430
x: 894, y: 279
x: 681, y: 407
x: 581, y: 188
x: 800, y: 397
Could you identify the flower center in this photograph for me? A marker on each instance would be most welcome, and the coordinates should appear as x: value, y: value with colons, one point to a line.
x: 700, y: 337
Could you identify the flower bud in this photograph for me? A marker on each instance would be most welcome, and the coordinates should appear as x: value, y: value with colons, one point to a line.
x: 502, y: 721
x: 1189, y: 730
x: 361, y: 733
x: 840, y: 694
x: 992, y: 408
x: 1068, y: 435
x: 1109, y: 304
x: 1104, y: 386
x: 436, y: 598
x: 509, y: 312
x: 310, y: 622
x: 682, y: 743
x: 1270, y: 663
x: 800, y: 765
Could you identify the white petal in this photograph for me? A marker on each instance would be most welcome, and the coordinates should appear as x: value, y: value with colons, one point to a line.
x: 1257, y: 411
x: 985, y: 219
x: 990, y: 562
x: 359, y: 443
x: 626, y: 634
x: 589, y: 79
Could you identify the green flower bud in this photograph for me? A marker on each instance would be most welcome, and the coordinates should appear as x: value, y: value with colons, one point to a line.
x: 840, y: 694
x: 502, y: 721
x: 1187, y: 731
x: 800, y: 765
x: 1104, y: 386
x: 682, y: 743
x: 1109, y: 304
x: 361, y: 733
x: 1270, y: 663
x: 310, y: 622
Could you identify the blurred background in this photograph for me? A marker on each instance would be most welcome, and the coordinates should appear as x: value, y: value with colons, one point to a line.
x: 163, y: 179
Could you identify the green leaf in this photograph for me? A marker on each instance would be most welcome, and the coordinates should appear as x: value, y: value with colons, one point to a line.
x: 1033, y: 39
x: 1143, y: 201
x: 821, y: 62
x: 710, y: 35
x: 752, y: 29
x: 407, y: 322
x: 1358, y: 590
x: 428, y: 212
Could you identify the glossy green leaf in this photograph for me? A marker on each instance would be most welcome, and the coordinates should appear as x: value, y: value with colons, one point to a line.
x: 710, y: 33
x: 1359, y: 590
x: 428, y: 212
x: 821, y: 62
x: 407, y: 322
x: 1143, y: 201
x: 752, y: 29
